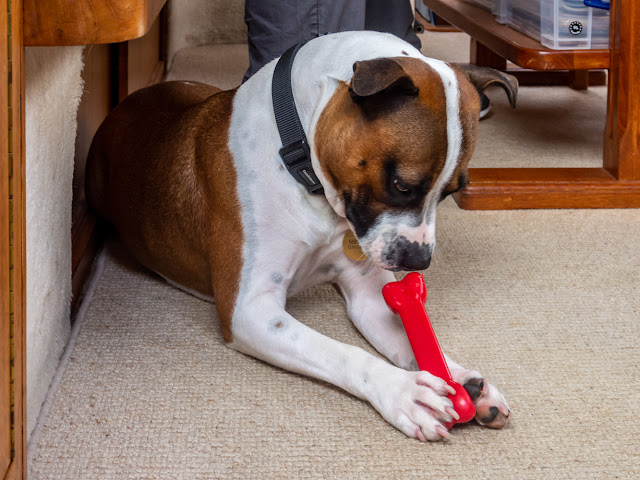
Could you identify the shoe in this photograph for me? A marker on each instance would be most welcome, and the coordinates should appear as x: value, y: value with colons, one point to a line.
x: 485, y: 105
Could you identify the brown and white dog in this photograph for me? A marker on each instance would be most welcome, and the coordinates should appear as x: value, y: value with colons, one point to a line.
x: 192, y: 180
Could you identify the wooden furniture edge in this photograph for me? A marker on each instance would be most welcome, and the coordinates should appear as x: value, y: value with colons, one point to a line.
x: 576, y: 79
x: 526, y: 188
x: 431, y: 27
x: 580, y: 81
x: 87, y: 236
x: 18, y: 468
x: 64, y: 22
x: 622, y: 131
x: 512, y: 45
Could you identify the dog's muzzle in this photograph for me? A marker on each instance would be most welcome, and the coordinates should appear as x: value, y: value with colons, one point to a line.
x: 410, y: 256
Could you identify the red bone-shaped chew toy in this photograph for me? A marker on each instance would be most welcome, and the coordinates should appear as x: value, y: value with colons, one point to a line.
x: 407, y: 298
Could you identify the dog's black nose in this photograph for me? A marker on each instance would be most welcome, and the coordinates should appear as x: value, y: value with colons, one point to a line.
x: 415, y: 256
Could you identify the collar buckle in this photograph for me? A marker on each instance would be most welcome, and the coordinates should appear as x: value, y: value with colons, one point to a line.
x: 297, y: 157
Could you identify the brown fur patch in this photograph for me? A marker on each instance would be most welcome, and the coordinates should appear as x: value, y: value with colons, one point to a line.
x: 161, y: 171
x: 412, y: 135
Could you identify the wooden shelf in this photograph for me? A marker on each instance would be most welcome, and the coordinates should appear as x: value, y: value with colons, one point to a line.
x: 512, y: 45
x: 81, y: 22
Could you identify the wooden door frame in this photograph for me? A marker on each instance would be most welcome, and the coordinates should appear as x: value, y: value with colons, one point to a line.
x: 12, y: 167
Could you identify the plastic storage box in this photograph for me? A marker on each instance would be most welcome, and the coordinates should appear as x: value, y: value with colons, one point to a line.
x: 557, y: 24
x: 490, y: 5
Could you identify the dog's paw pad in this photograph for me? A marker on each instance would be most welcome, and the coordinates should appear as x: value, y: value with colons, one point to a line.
x: 491, y: 408
x: 474, y: 388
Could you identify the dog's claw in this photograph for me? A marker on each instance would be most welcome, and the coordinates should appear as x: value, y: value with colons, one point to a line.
x: 452, y: 412
x: 443, y: 432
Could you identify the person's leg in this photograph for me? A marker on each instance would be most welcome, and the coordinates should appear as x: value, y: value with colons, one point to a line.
x: 392, y: 16
x: 340, y: 16
x: 275, y: 25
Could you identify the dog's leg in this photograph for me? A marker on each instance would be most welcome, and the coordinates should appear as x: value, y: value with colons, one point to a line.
x: 414, y: 402
x: 384, y: 330
x: 492, y: 410
x: 361, y: 289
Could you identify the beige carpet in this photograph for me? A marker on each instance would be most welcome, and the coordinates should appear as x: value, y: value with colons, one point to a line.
x: 544, y: 303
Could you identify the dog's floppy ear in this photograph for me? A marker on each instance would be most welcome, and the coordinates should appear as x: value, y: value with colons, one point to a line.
x: 482, y: 77
x: 380, y: 75
x: 381, y: 85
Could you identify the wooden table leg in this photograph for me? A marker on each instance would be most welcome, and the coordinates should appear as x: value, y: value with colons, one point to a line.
x: 622, y: 134
x: 579, y: 79
x: 484, y: 57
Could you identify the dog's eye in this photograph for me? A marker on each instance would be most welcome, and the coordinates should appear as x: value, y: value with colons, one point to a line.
x: 401, y: 187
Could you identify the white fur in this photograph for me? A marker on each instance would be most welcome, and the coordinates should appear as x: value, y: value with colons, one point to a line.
x: 293, y: 240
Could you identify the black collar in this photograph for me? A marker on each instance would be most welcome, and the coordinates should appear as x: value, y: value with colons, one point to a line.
x: 295, y: 150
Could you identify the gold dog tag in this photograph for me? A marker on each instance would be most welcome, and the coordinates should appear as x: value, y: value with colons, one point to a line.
x: 352, y: 248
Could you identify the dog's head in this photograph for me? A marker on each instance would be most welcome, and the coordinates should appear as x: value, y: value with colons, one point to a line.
x: 396, y: 140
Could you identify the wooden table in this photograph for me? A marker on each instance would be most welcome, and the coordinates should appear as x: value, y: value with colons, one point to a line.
x: 617, y: 183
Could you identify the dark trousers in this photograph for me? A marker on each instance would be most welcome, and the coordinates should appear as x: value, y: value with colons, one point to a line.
x: 274, y: 26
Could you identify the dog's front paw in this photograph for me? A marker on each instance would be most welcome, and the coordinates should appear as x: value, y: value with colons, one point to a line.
x: 492, y: 409
x: 415, y: 403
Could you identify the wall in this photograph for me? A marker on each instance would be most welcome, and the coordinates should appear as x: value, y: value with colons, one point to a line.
x: 53, y: 90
